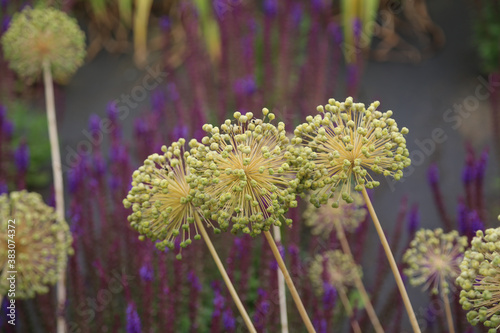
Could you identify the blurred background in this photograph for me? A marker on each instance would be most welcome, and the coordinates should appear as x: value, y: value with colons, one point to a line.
x: 159, y: 70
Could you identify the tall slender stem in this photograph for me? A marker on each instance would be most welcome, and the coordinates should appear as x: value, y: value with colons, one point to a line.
x: 281, y: 288
x: 357, y: 280
x: 289, y: 282
x: 347, y: 305
x: 58, y: 186
x: 226, y: 278
x: 392, y: 263
x: 447, y: 309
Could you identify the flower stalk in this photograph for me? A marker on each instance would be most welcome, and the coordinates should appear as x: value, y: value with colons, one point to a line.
x: 392, y: 262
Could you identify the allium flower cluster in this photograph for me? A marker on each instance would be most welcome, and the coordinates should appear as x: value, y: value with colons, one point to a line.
x: 334, y: 268
x: 163, y: 198
x: 350, y: 140
x: 246, y: 169
x: 43, y: 34
x: 40, y: 253
x: 323, y: 219
x: 480, y: 280
x: 433, y: 259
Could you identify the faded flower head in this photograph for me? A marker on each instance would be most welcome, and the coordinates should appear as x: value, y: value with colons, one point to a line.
x: 334, y: 268
x: 433, y: 258
x: 480, y: 279
x: 31, y: 244
x: 44, y: 34
x: 323, y: 219
x: 246, y: 168
x: 350, y: 140
x: 162, y: 200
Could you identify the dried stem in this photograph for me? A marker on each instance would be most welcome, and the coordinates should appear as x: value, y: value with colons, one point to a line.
x: 348, y: 309
x: 392, y: 263
x: 281, y: 288
x: 447, y: 309
x: 58, y: 186
x: 289, y: 282
x: 223, y: 272
x: 358, y: 282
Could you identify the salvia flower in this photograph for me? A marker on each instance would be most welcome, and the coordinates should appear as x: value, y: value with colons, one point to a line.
x: 349, y: 216
x: 44, y: 34
x: 433, y: 258
x: 351, y: 140
x: 480, y: 279
x: 334, y: 268
x: 162, y: 200
x: 246, y: 168
x: 40, y: 252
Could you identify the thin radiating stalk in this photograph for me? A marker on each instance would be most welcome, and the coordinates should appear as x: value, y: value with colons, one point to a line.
x: 289, y: 282
x: 345, y: 301
x: 281, y: 288
x: 226, y: 278
x: 392, y: 263
x: 358, y: 282
x: 58, y: 186
x: 447, y: 309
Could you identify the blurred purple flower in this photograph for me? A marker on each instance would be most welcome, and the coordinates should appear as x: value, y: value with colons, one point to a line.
x: 140, y: 127
x: 5, y: 24
x: 297, y: 14
x: 179, y: 131
x: 356, y: 27
x: 468, y: 173
x: 271, y: 7
x: 475, y: 222
x: 94, y: 124
x: 245, y: 86
x: 133, y: 320
x: 8, y: 129
x: 146, y: 272
x: 3, y: 187
x: 462, y: 218
x: 481, y: 164
x: 329, y: 297
x: 433, y: 174
x: 413, y: 219
x: 194, y: 281
x: 22, y: 157
x: 172, y: 91
x: 228, y: 320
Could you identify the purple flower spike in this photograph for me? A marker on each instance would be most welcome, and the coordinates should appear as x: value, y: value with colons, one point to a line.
x: 297, y: 14
x: 5, y: 24
x: 133, y: 320
x: 433, y: 174
x: 8, y: 129
x: 228, y: 320
x: 94, y: 124
x: 270, y: 7
x: 462, y: 218
x: 481, y: 164
x: 179, y: 131
x: 413, y: 219
x: 22, y: 157
x: 146, y: 272
x: 194, y: 281
x: 475, y: 222
x: 3, y: 187
x: 330, y: 296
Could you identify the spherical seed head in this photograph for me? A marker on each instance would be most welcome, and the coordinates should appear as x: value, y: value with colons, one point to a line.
x: 43, y: 34
x: 323, y: 219
x: 36, y: 245
x: 480, y: 279
x: 335, y: 268
x: 162, y: 198
x: 433, y: 259
x: 350, y: 141
x: 247, y: 171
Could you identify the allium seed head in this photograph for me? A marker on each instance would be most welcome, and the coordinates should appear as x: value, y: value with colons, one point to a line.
x: 44, y: 34
x: 247, y: 169
x: 334, y: 268
x: 350, y: 140
x: 349, y: 216
x: 163, y: 198
x: 36, y: 249
x: 433, y: 259
x: 480, y: 280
